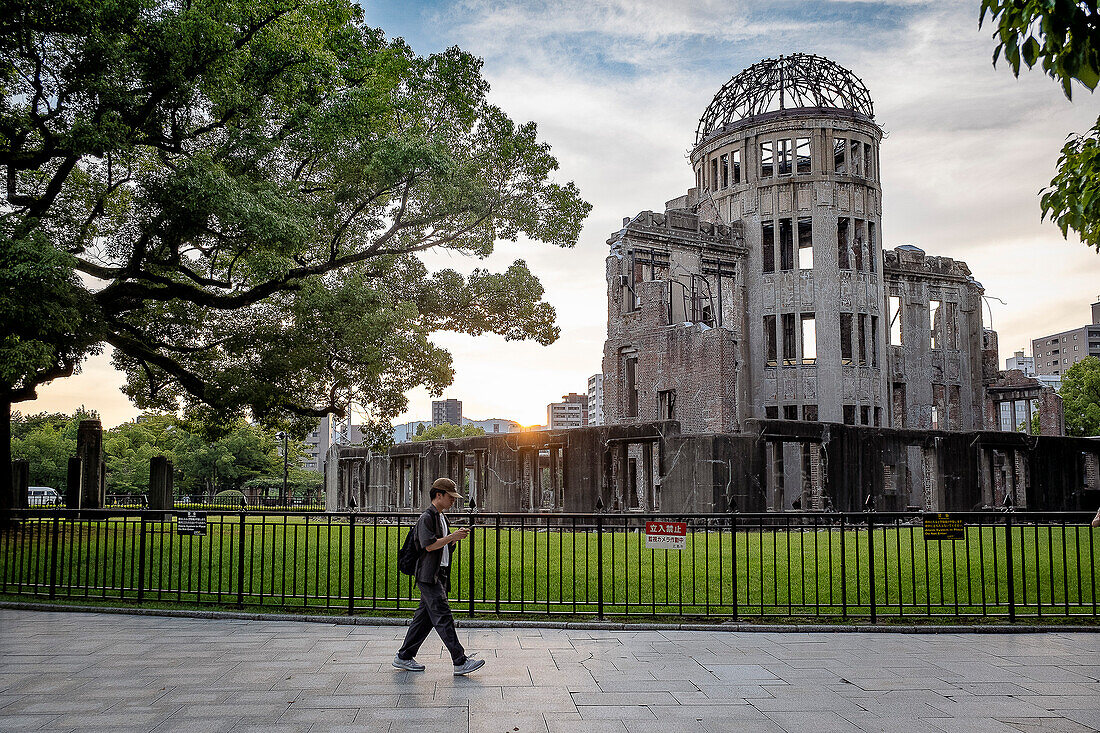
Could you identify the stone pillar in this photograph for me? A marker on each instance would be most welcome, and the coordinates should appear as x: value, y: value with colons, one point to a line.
x: 89, y: 449
x: 20, y: 480
x: 160, y: 483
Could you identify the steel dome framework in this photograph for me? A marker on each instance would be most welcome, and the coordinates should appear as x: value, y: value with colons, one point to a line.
x: 788, y: 82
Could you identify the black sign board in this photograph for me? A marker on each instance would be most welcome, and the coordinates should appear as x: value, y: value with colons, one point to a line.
x: 192, y: 523
x: 943, y: 527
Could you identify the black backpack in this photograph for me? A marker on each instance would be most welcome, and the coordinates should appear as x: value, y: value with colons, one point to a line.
x: 409, y: 553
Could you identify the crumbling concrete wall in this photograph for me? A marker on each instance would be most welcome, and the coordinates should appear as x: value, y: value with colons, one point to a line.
x: 772, y: 465
x: 936, y: 371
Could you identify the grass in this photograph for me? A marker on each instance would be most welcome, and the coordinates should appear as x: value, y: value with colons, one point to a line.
x: 315, y: 563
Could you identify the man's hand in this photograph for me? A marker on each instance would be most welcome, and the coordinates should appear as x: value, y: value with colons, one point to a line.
x: 459, y: 534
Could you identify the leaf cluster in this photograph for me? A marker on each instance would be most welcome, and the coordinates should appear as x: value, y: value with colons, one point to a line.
x: 1081, y: 397
x: 446, y: 430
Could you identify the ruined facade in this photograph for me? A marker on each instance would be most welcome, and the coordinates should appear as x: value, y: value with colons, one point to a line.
x: 764, y: 353
x: 764, y: 292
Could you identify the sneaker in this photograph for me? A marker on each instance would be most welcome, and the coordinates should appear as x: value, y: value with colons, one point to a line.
x: 409, y: 665
x: 469, y: 666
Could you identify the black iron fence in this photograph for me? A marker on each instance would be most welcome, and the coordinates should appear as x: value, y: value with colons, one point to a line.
x: 866, y: 566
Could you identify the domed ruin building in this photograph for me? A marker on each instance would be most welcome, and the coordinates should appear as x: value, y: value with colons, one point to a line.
x: 764, y: 353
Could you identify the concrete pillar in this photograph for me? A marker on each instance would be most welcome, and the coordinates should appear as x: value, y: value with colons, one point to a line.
x: 160, y: 483
x: 20, y: 480
x: 89, y: 448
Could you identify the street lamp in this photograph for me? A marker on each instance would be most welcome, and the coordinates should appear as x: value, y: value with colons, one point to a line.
x: 281, y: 435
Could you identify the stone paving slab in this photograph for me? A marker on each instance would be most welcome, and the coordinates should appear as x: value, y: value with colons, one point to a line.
x: 73, y: 671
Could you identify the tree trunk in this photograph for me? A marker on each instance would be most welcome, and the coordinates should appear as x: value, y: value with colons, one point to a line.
x: 7, y: 493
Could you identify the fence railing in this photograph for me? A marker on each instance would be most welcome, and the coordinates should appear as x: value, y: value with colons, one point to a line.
x: 865, y: 566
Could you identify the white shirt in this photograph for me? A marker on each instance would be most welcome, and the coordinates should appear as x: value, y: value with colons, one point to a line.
x: 446, y: 561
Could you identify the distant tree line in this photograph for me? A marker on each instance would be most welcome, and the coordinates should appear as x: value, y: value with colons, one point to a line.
x: 207, y: 457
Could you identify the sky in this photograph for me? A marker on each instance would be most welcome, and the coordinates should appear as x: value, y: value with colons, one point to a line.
x: 617, y: 88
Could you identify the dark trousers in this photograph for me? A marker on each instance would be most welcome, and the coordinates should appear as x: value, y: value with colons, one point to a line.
x: 433, y: 612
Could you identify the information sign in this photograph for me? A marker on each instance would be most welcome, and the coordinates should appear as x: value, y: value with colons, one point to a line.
x: 943, y: 527
x: 666, y: 535
x: 192, y: 523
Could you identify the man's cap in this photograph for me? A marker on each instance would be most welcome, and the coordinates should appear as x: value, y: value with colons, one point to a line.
x: 447, y: 486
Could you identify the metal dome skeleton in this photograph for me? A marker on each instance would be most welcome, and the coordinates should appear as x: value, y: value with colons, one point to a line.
x: 788, y: 82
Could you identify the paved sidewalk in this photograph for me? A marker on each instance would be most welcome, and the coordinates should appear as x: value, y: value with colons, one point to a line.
x: 63, y: 671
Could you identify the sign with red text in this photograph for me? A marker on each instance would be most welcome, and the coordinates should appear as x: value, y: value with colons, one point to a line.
x: 666, y: 535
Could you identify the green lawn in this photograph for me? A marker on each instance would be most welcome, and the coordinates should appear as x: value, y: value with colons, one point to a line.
x: 299, y: 562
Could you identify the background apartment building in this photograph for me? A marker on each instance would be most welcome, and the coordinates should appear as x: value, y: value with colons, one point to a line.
x: 446, y: 411
x: 571, y: 412
x: 1056, y: 353
x: 595, y: 400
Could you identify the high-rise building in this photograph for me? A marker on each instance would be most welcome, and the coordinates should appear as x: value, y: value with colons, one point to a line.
x: 571, y: 412
x: 1025, y: 364
x: 330, y: 431
x: 595, y: 400
x: 446, y: 412
x: 1056, y: 353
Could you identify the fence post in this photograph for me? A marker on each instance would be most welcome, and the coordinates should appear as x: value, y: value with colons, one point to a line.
x: 871, y: 562
x: 141, y: 562
x: 599, y: 566
x: 843, y: 573
x: 1011, y: 571
x: 733, y: 545
x: 470, y: 524
x: 53, y: 557
x: 351, y: 564
x: 240, y: 562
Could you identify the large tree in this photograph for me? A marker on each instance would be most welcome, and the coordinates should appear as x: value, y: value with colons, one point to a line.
x: 233, y: 195
x: 1081, y: 397
x: 1063, y: 37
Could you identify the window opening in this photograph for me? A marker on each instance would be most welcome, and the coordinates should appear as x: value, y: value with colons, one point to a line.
x: 786, y: 244
x: 856, y: 158
x: 874, y: 341
x: 934, y: 323
x: 809, y: 338
x: 872, y: 250
x: 736, y: 166
x: 845, y: 338
x: 666, y: 404
x: 766, y: 159
x: 840, y: 164
x: 767, y: 244
x: 878, y: 417
x: 790, y: 412
x: 849, y: 414
x: 714, y: 174
x: 802, y: 154
x: 895, y: 320
x: 771, y: 412
x: 784, y: 156
x: 842, y: 244
x: 861, y: 349
x: 805, y: 244
x: 809, y: 413
x: 725, y: 170
x: 769, y: 340
x: 865, y: 416
x: 867, y: 157
x: 631, y: 369
x: 789, y: 355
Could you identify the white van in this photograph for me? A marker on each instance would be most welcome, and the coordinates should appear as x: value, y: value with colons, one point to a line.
x: 43, y: 496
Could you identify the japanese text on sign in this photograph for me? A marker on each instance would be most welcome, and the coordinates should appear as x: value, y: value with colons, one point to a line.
x: 192, y: 523
x: 665, y: 535
x: 942, y: 527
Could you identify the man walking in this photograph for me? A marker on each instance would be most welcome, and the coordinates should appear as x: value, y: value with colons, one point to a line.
x: 433, y: 578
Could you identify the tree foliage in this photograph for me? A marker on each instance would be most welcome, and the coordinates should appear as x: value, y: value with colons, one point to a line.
x: 1081, y: 397
x: 446, y: 430
x: 1063, y: 37
x: 234, y: 195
